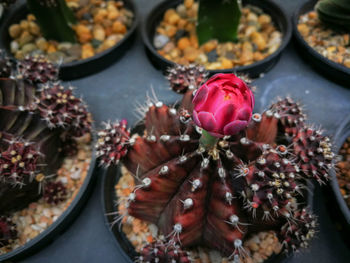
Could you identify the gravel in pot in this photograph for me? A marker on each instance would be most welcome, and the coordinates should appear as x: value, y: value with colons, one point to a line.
x: 169, y: 34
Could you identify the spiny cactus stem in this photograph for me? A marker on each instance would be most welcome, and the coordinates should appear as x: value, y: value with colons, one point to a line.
x: 207, y: 140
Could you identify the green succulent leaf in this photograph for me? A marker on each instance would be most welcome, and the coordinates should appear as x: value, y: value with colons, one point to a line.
x: 218, y: 19
x: 334, y: 13
x: 55, y: 20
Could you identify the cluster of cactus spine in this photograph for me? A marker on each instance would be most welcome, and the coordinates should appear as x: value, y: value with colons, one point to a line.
x: 38, y: 117
x: 54, y: 17
x: 218, y: 196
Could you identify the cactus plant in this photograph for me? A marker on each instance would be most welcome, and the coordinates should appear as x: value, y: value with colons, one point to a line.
x: 36, y: 120
x: 8, y: 231
x: 218, y: 20
x: 54, y: 17
x: 210, y: 172
x: 335, y: 13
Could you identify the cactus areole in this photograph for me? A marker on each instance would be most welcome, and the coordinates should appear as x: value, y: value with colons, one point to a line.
x: 223, y: 173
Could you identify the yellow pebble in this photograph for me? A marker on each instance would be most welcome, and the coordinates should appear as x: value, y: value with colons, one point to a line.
x: 183, y: 43
x: 303, y: 29
x: 173, y: 19
x: 188, y: 3
x: 51, y: 48
x: 210, y: 45
x: 119, y: 27
x: 226, y: 63
x: 87, y: 51
x: 258, y: 40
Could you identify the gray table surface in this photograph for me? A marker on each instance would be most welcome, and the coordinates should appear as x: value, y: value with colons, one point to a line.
x: 114, y: 93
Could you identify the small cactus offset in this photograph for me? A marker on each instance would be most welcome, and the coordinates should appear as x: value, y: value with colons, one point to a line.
x: 334, y: 13
x: 210, y: 172
x: 37, y: 119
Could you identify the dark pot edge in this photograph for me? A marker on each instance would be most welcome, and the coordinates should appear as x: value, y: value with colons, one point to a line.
x: 111, y: 176
x: 342, y: 133
x: 270, y: 61
x: 103, y: 59
x: 63, y: 222
x: 333, y: 70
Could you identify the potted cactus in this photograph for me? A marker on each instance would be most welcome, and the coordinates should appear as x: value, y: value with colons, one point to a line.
x: 43, y: 126
x: 69, y: 31
x: 211, y: 173
x: 322, y: 29
x: 219, y: 35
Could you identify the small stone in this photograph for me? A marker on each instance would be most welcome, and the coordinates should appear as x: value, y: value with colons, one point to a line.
x: 160, y: 41
x: 19, y: 54
x: 190, y: 54
x: 96, y: 43
x: 84, y: 33
x: 347, y: 62
x: 258, y: 40
x: 230, y: 55
x: 226, y: 63
x: 15, y: 30
x: 173, y: 18
x: 264, y: 19
x: 188, y: 3
x: 56, y: 56
x: 212, y: 56
x: 34, y: 28
x: 181, y: 10
x: 99, y: 33
x: 87, y: 16
x: 119, y: 27
x: 202, y: 59
x: 24, y: 24
x: 87, y: 51
x: 25, y: 38
x: 14, y: 46
x: 41, y: 43
x: 252, y: 17
x: 303, y: 29
x: 64, y: 46
x: 210, y: 45
x: 74, y: 51
x: 180, y: 34
x: 51, y: 48
x: 183, y: 43
x: 27, y: 48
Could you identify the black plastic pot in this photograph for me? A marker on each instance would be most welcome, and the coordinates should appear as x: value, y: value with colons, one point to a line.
x: 332, y: 70
x: 80, y: 68
x: 109, y: 199
x: 277, y: 14
x: 339, y: 211
x: 58, y: 227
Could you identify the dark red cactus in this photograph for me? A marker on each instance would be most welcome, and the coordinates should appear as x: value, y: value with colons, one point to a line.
x: 183, y: 78
x: 60, y: 108
x: 159, y: 252
x: 113, y: 142
x: 291, y: 115
x: 31, y: 148
x: 273, y: 181
x: 37, y: 69
x: 8, y: 231
x: 219, y: 195
x: 297, y: 233
x: 19, y: 161
x: 55, y: 193
x: 314, y: 153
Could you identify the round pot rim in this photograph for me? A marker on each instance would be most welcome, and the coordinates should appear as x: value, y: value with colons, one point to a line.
x: 112, y: 175
x: 21, y: 7
x: 342, y: 133
x: 306, y: 46
x: 63, y: 221
x: 171, y: 3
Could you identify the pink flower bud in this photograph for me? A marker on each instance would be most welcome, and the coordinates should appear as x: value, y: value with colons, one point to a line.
x: 223, y: 105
